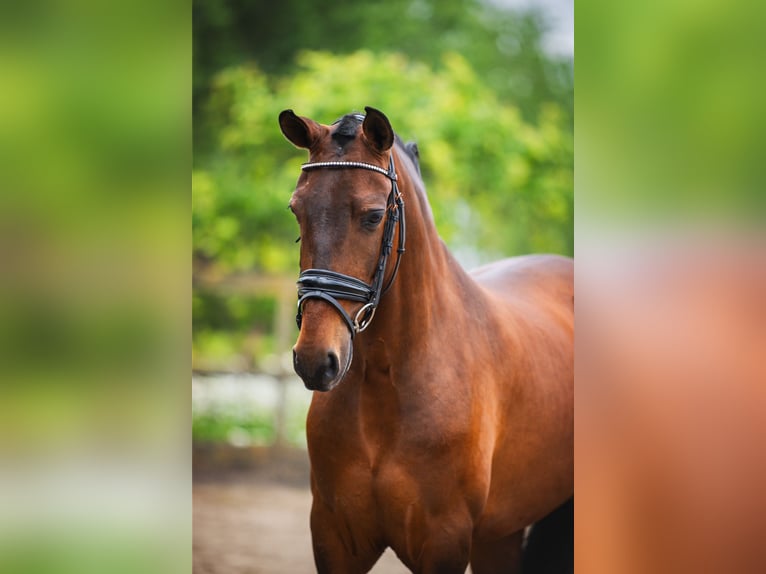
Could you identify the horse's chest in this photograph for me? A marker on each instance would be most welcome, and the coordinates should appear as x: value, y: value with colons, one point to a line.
x: 376, y: 452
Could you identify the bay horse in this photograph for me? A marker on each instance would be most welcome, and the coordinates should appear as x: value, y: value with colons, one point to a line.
x: 441, y: 423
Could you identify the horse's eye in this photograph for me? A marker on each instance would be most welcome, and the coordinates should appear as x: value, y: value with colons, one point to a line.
x: 372, y: 220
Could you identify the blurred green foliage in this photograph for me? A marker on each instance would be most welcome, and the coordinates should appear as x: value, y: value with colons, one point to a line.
x: 62, y: 551
x: 223, y: 427
x: 496, y: 184
x: 245, y: 429
x: 672, y: 100
x: 504, y: 45
x: 94, y: 297
x: 470, y: 82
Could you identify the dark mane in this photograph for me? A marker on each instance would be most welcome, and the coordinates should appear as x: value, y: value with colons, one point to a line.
x: 412, y: 150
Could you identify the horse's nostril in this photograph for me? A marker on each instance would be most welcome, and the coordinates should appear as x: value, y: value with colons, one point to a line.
x: 318, y: 371
x: 331, y: 367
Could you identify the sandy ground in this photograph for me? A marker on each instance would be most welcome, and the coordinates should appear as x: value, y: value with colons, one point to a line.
x: 248, y: 523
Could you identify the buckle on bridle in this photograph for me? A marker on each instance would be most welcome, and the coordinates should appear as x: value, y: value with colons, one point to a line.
x: 364, y: 317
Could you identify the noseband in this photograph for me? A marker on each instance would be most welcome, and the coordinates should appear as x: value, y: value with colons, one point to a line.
x: 330, y: 285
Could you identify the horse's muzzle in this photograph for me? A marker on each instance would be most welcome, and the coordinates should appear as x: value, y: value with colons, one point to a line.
x: 319, y: 371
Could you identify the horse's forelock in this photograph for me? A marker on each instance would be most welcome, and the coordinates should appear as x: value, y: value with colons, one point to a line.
x: 347, y: 127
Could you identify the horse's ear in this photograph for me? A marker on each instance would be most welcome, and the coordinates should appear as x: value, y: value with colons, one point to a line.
x: 377, y: 129
x: 302, y: 132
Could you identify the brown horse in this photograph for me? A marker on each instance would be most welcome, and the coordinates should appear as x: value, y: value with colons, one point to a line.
x: 449, y: 425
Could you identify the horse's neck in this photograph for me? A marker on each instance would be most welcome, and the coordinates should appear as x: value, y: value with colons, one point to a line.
x: 424, y: 293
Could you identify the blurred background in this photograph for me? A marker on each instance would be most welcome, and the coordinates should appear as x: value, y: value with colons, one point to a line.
x: 95, y: 243
x: 486, y: 90
x: 94, y: 299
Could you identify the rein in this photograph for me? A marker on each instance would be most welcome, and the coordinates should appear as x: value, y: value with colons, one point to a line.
x: 331, y: 286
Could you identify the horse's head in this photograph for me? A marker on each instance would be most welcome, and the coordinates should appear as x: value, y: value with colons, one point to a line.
x: 347, y: 205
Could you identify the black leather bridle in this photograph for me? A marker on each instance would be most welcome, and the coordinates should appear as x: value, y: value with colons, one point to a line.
x: 331, y: 285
